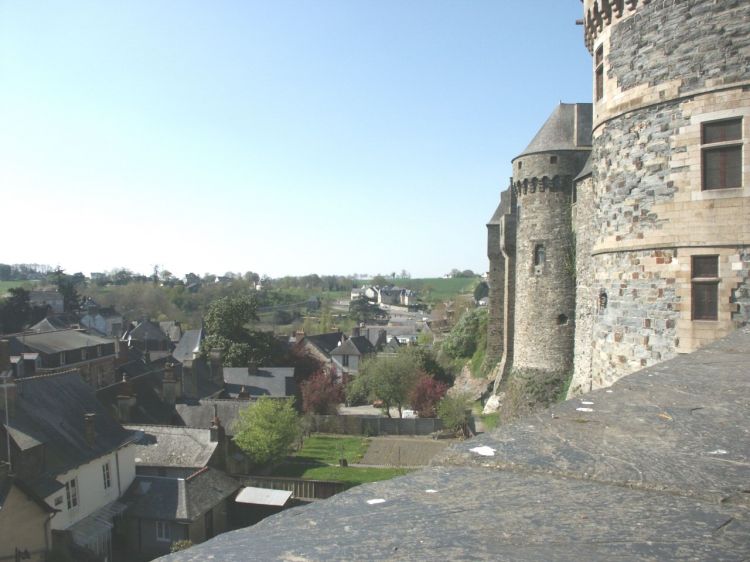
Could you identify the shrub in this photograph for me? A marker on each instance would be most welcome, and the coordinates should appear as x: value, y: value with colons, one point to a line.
x: 321, y: 394
x: 426, y: 395
x: 455, y: 412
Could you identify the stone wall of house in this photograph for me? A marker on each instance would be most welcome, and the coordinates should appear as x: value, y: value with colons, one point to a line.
x: 545, y: 289
x: 741, y: 293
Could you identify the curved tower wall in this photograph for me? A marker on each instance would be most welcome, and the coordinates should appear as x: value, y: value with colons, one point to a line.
x: 664, y: 71
x: 545, y: 288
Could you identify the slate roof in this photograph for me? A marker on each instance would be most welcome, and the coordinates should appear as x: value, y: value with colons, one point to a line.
x: 147, y: 330
x: 178, y: 499
x: 355, y: 345
x: 326, y: 343
x: 188, y: 346
x: 267, y: 381
x: 8, y: 482
x: 164, y: 445
x: 201, y: 414
x: 50, y: 410
x: 587, y: 169
x: 568, y: 128
x: 50, y: 324
x: 654, y: 468
x: 60, y: 340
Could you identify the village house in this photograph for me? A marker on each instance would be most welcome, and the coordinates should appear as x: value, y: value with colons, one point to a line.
x: 105, y: 321
x: 61, y: 350
x: 252, y: 382
x: 67, y: 450
x: 348, y: 357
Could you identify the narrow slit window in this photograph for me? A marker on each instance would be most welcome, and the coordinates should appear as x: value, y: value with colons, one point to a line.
x: 539, y: 255
x: 599, y: 72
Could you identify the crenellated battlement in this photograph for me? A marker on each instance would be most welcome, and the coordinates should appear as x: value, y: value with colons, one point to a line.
x: 554, y: 184
x: 600, y: 13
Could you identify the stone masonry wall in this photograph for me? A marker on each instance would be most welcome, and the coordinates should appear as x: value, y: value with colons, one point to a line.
x: 587, y: 293
x: 495, y: 319
x: 545, y: 294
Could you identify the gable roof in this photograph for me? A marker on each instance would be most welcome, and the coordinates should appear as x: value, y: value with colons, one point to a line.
x: 147, y: 330
x: 8, y: 482
x: 267, y: 381
x: 326, y: 343
x: 568, y: 128
x: 179, y: 499
x: 174, y: 446
x: 172, y: 329
x: 188, y: 345
x: 50, y: 410
x: 355, y: 345
x: 201, y: 413
x: 60, y: 340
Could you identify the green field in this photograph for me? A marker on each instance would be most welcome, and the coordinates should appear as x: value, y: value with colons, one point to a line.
x: 319, y: 456
x: 6, y: 285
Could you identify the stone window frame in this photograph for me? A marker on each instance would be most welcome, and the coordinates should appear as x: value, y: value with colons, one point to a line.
x: 599, y: 73
x: 735, y: 143
x: 701, y: 281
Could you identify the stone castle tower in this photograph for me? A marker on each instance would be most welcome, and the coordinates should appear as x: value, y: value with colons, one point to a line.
x: 660, y: 211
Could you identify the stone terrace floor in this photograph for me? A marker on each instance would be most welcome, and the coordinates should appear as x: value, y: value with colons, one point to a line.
x: 657, y: 467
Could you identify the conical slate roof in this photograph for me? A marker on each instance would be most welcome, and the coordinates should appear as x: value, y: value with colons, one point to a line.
x: 568, y: 128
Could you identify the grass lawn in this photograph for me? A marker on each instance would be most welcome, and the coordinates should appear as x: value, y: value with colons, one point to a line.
x: 318, y: 460
x: 6, y: 285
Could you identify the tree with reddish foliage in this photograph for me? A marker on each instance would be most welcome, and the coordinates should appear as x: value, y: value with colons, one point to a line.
x: 305, y: 365
x: 322, y: 393
x: 426, y: 394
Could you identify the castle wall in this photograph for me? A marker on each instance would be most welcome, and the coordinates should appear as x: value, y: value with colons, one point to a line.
x: 496, y: 305
x: 545, y: 290
x: 587, y: 292
x: 668, y: 68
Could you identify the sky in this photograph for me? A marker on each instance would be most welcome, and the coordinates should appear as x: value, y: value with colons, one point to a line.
x: 284, y: 137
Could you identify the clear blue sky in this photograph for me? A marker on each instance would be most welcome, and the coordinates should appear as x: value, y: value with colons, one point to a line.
x: 283, y: 137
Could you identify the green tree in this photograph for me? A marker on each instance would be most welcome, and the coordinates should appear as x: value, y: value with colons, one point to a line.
x: 455, y: 412
x: 228, y: 317
x: 389, y: 379
x: 481, y: 290
x: 462, y: 340
x: 15, y: 310
x: 267, y: 431
x: 362, y: 310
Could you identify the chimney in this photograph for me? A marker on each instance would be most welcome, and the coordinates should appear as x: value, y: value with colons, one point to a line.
x: 252, y: 368
x: 299, y: 335
x: 217, y: 370
x: 29, y: 364
x: 89, y: 428
x: 169, y: 386
x: 4, y: 355
x: 217, y: 430
x: 244, y: 394
x: 10, y: 394
x: 125, y: 401
x: 356, y: 331
x: 121, y: 352
x: 189, y: 380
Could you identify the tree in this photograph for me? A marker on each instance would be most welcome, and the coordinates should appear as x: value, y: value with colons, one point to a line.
x: 228, y: 317
x: 428, y: 364
x: 426, y: 394
x: 15, y: 310
x: 462, y: 340
x: 362, y: 310
x: 267, y: 431
x: 322, y: 393
x: 455, y: 412
x: 389, y: 379
x: 481, y: 290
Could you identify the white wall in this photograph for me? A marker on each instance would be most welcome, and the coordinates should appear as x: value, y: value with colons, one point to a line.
x: 91, y: 492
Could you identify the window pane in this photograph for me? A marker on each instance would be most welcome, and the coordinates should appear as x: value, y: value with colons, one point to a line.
x: 722, y: 167
x: 705, y: 266
x: 722, y: 131
x: 705, y: 301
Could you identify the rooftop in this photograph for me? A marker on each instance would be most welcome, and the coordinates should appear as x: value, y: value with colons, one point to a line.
x: 568, y: 128
x: 164, y: 445
x: 655, y: 467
